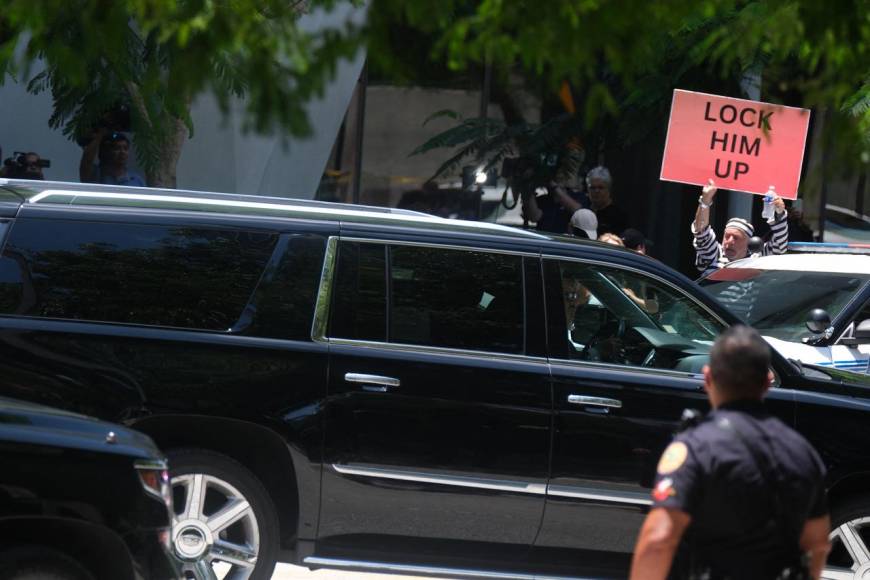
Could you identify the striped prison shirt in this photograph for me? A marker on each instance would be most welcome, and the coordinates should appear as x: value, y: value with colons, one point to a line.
x: 709, y: 254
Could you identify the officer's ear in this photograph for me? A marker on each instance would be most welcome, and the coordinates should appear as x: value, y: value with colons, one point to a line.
x: 708, y: 378
x: 768, y: 382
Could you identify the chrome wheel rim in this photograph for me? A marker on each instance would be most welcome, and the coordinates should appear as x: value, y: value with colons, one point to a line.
x: 850, y: 554
x: 214, y: 530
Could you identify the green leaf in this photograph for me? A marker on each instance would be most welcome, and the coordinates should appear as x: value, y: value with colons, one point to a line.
x: 448, y: 113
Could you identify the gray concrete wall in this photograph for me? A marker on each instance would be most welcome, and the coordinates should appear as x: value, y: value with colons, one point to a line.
x: 219, y: 157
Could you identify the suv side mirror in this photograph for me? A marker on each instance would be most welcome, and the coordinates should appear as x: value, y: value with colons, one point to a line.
x: 818, y: 320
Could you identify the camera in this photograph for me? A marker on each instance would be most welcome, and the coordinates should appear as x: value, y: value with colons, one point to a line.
x: 116, y: 119
x: 17, y: 166
x: 535, y: 170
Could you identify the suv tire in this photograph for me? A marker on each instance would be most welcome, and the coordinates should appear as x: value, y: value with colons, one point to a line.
x: 40, y: 563
x: 233, y: 520
x: 850, y: 535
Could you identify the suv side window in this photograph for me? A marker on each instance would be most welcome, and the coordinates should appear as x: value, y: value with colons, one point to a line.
x: 284, y: 303
x: 456, y: 298
x: 439, y: 297
x: 617, y: 316
x: 139, y: 274
x: 359, y: 295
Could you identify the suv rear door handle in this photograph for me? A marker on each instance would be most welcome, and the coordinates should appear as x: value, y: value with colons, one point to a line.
x: 372, y: 383
x: 585, y: 401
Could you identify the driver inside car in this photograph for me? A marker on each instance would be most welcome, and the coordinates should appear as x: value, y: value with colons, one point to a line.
x: 594, y: 331
x: 585, y: 319
x: 575, y: 296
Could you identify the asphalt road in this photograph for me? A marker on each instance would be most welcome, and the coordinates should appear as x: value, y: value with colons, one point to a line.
x: 287, y: 572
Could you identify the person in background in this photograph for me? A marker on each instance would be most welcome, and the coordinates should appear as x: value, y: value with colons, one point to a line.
x: 552, y: 211
x: 113, y: 150
x: 710, y: 254
x: 584, y: 224
x: 612, y: 239
x: 635, y: 240
x: 610, y: 218
x: 25, y: 166
x: 738, y: 494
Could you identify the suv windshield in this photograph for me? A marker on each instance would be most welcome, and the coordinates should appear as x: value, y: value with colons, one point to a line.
x: 777, y: 302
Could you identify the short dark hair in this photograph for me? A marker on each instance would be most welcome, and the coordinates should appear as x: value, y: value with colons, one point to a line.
x: 634, y: 239
x: 115, y: 136
x: 740, y: 361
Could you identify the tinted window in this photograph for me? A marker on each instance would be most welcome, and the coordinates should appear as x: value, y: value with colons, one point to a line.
x: 359, y: 296
x: 284, y: 304
x: 11, y: 299
x: 142, y: 274
x: 456, y: 298
x: 622, y: 317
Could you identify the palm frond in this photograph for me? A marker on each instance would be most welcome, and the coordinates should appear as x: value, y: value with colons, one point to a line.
x: 858, y: 104
x: 468, y: 130
x: 449, y: 113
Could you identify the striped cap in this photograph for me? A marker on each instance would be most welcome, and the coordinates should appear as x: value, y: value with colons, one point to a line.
x: 742, y: 225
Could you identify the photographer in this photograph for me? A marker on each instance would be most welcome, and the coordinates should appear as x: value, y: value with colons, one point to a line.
x: 24, y: 166
x: 611, y: 219
x: 552, y: 211
x: 113, y: 150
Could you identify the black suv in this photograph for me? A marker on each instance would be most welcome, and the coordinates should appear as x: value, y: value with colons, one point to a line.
x: 359, y: 388
x: 80, y: 499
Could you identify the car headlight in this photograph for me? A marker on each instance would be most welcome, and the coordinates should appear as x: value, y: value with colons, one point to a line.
x: 154, y: 476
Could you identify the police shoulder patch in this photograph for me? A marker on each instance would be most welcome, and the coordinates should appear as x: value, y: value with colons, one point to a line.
x: 673, y: 458
x: 664, y: 489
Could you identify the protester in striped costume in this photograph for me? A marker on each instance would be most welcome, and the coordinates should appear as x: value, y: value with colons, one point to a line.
x: 710, y: 254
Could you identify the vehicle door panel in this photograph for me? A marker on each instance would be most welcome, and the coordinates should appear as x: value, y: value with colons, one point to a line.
x: 616, y: 409
x: 440, y: 448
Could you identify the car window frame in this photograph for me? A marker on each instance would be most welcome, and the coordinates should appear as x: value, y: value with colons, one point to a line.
x: 323, y: 307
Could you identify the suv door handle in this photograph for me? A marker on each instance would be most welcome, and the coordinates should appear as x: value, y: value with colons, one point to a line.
x: 585, y: 401
x: 372, y: 383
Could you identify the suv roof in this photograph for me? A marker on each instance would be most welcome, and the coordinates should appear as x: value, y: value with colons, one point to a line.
x: 75, y: 194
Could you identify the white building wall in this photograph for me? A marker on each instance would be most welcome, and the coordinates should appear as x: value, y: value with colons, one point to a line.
x: 219, y: 157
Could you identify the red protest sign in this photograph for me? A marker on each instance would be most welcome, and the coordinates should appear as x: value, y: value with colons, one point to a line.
x: 740, y: 144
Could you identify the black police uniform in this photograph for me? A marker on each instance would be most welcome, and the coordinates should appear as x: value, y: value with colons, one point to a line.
x: 748, y: 507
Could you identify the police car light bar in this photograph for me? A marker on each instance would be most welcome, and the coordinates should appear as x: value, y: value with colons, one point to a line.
x: 828, y: 248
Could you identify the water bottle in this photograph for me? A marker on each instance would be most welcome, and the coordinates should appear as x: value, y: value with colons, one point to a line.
x: 767, y: 212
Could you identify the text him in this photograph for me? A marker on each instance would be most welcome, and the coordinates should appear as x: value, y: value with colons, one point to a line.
x: 740, y: 144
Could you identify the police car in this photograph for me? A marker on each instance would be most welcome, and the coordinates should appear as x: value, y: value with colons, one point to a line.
x: 811, y: 304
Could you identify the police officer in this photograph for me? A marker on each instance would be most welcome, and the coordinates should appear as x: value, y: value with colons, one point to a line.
x: 738, y: 495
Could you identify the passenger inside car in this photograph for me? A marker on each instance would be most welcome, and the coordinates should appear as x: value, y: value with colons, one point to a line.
x: 606, y: 322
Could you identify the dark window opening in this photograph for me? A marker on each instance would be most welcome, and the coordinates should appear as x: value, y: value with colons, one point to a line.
x: 456, y: 299
x: 284, y: 302
x: 139, y: 274
x: 360, y: 293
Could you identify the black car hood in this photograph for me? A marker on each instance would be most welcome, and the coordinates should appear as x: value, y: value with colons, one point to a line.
x: 23, y: 422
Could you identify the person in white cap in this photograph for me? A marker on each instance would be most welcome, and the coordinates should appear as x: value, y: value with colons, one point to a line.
x: 710, y: 254
x: 584, y: 224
